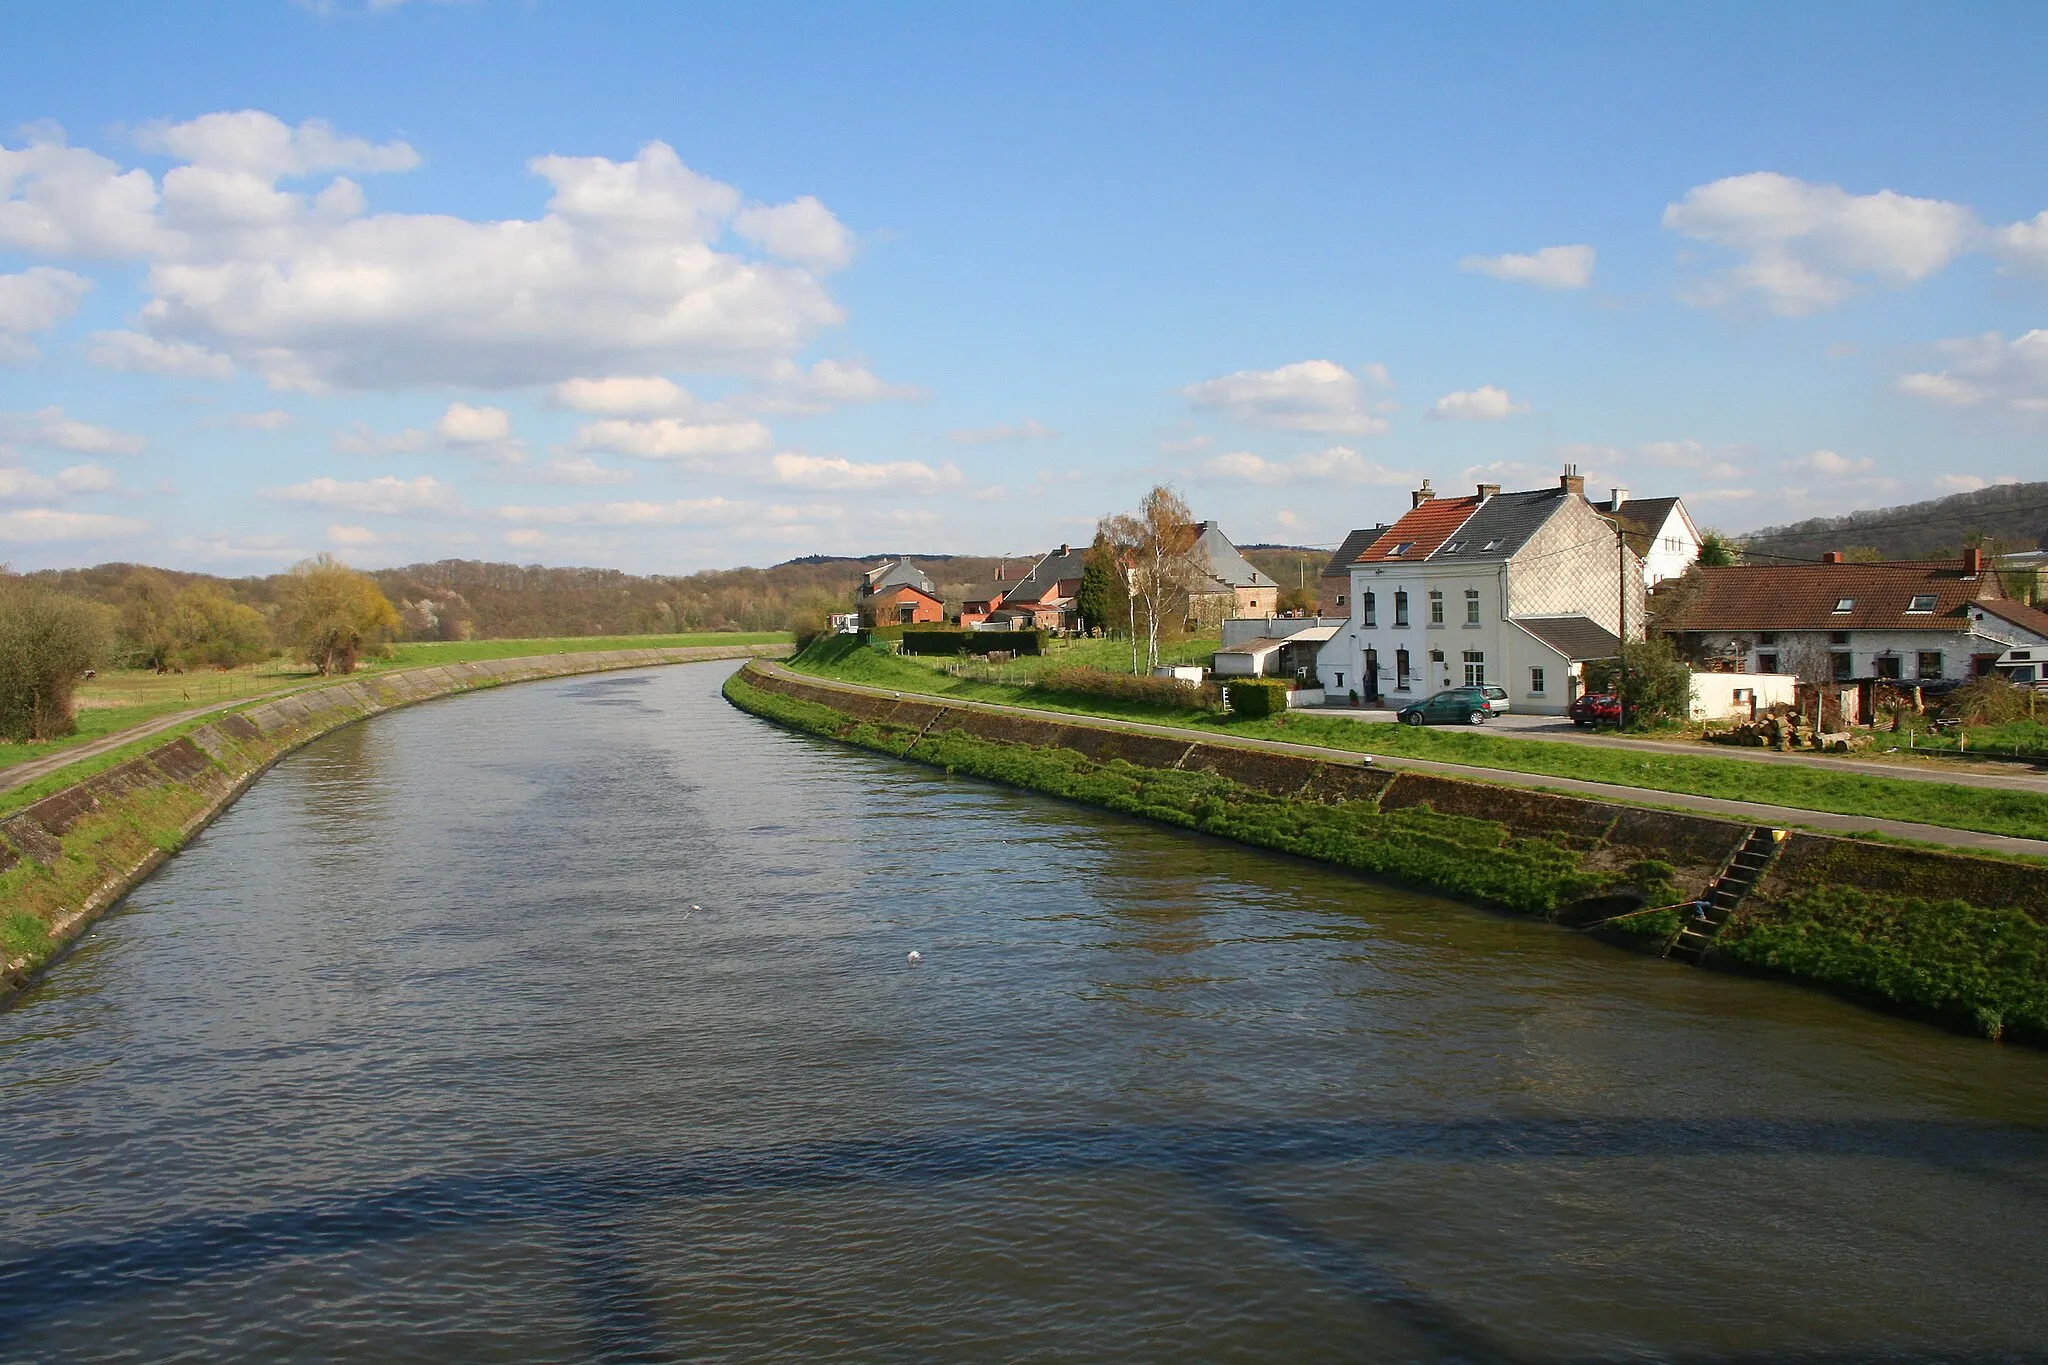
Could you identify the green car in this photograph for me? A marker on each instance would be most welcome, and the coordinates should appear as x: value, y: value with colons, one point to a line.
x: 1470, y: 705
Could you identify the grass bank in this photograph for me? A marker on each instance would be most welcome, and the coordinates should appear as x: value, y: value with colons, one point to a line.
x: 415, y: 653
x: 1986, y: 810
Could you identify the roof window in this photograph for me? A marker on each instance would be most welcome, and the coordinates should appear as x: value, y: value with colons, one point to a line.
x: 1401, y: 548
x: 1454, y: 547
x: 1490, y: 545
x: 1843, y: 604
x: 1922, y: 601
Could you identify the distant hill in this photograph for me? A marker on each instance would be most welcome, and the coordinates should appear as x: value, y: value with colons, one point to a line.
x: 2013, y: 515
x: 1291, y: 566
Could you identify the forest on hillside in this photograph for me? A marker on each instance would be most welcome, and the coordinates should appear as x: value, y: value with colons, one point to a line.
x: 2004, y: 517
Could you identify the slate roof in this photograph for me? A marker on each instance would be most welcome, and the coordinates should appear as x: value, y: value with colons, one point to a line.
x: 1226, y: 565
x: 1641, y: 519
x: 985, y: 592
x: 1042, y: 583
x: 1578, y: 638
x: 2030, y: 619
x: 900, y: 573
x: 1427, y: 527
x: 1502, y: 526
x: 1804, y: 597
x: 1348, y: 553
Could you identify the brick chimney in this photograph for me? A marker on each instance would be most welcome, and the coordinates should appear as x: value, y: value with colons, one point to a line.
x: 1421, y: 495
x: 1572, y: 481
x: 1973, y: 560
x: 1616, y: 498
x: 1488, y: 490
x: 1831, y: 557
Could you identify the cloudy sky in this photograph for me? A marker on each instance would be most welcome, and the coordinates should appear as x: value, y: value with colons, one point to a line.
x: 668, y: 287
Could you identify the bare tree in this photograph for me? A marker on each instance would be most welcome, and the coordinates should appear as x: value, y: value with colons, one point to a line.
x: 1164, y: 564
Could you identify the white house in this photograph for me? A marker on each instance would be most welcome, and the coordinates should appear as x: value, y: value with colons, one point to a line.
x: 1659, y: 530
x: 1513, y: 589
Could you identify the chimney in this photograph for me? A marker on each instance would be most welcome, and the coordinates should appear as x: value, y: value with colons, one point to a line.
x: 1066, y: 549
x: 1616, y: 498
x: 1421, y: 495
x: 1831, y: 557
x: 1572, y: 481
x: 1488, y: 490
x: 1973, y: 560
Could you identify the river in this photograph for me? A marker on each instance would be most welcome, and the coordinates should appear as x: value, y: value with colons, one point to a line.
x: 574, y: 1021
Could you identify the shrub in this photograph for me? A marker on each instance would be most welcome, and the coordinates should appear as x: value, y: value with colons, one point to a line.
x: 46, y: 642
x: 807, y: 624
x: 333, y: 615
x: 1130, y: 687
x: 1257, y: 696
x: 1659, y: 687
x: 1987, y: 701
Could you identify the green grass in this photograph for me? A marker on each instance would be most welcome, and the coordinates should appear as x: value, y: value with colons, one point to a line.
x: 464, y: 651
x: 2021, y: 814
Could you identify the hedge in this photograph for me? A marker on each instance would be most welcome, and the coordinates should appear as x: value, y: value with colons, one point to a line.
x: 1257, y: 696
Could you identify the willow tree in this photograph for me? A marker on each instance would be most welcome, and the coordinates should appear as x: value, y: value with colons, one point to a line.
x: 333, y: 615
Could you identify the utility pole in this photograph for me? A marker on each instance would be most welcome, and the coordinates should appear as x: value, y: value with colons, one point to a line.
x: 1621, y: 580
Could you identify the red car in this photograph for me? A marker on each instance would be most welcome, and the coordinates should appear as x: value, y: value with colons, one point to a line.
x: 1596, y: 708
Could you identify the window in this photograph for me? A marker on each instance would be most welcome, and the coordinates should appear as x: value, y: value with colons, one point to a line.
x: 1340, y: 599
x: 1930, y: 663
x: 1454, y: 547
x: 1370, y: 605
x: 1489, y: 545
x: 1436, y: 607
x: 1839, y: 637
x: 1475, y: 668
x: 1471, y: 606
x: 1767, y: 663
x: 1922, y: 601
x: 1400, y: 670
x: 1536, y: 681
x: 1843, y: 604
x: 1886, y: 666
x: 1340, y: 682
x: 1400, y: 606
x: 1839, y: 665
x: 1769, y: 637
x: 1400, y: 549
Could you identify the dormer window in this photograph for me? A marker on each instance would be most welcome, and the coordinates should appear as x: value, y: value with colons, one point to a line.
x: 1843, y: 604
x: 1922, y: 601
x: 1400, y: 549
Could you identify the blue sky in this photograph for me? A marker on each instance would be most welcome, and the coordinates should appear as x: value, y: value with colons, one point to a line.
x: 668, y: 287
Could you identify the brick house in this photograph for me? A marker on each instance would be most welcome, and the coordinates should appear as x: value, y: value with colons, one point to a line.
x: 897, y: 592
x: 1046, y: 596
x: 983, y: 601
x: 1518, y: 590
x: 1333, y: 589
x: 1904, y: 621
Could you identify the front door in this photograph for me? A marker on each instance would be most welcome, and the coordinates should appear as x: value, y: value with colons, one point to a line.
x: 1372, y: 677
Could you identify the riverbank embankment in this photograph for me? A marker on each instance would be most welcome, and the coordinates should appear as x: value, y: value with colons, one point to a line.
x: 67, y: 858
x: 1955, y: 938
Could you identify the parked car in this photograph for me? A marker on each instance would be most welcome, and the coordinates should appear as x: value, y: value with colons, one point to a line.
x: 1499, y: 697
x: 1596, y: 708
x: 1468, y: 704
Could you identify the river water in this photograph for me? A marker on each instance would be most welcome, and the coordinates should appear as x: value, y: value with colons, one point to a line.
x: 423, y: 1053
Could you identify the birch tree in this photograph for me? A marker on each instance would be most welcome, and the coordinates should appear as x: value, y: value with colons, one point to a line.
x: 1157, y: 544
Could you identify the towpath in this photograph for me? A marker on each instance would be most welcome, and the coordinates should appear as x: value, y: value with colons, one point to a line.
x: 29, y: 771
x: 1753, y: 812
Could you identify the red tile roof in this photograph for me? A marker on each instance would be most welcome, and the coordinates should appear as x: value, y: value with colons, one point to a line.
x: 1427, y: 527
x: 1804, y: 597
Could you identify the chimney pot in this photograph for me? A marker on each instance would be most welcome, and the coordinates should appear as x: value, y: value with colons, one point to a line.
x: 1488, y: 490
x: 1572, y: 481
x: 1831, y: 557
x: 1421, y: 495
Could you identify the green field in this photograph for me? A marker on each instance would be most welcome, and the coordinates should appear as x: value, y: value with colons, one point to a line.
x: 1876, y: 795
x: 416, y: 653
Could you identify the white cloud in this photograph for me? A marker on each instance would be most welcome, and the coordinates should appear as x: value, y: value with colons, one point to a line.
x: 1030, y: 429
x: 1970, y: 483
x: 837, y: 472
x: 1695, y: 457
x: 1552, y: 267
x: 681, y: 511
x: 580, y: 469
x: 1806, y: 247
x: 43, y: 525
x: 464, y: 425
x: 384, y: 496
x: 802, y: 230
x: 35, y: 301
x: 673, y: 438
x: 1310, y: 395
x: 789, y: 387
x: 139, y: 354
x: 2024, y: 246
x: 351, y: 537
x: 623, y: 273
x: 357, y: 438
x: 623, y: 395
x: 276, y: 419
x: 51, y: 428
x: 17, y: 484
x: 1337, y: 464
x: 1483, y: 404
x: 1989, y: 371
x: 1831, y: 462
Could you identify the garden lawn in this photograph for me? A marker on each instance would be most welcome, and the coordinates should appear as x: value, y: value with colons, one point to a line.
x: 1991, y: 811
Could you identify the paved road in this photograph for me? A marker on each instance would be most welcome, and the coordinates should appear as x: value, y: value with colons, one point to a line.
x: 1751, y: 811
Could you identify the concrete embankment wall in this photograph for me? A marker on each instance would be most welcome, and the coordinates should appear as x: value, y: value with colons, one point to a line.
x: 67, y: 858
x: 1953, y: 937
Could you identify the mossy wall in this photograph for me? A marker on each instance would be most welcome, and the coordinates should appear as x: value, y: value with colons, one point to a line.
x: 68, y: 857
x: 1946, y: 936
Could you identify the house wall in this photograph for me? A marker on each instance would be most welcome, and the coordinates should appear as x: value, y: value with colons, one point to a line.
x: 1257, y: 601
x: 885, y: 608
x: 1809, y: 653
x: 1569, y: 567
x: 1333, y: 594
x: 1672, y: 551
x: 1739, y: 696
